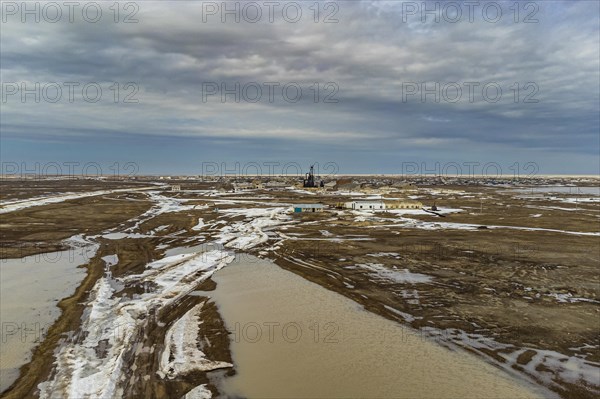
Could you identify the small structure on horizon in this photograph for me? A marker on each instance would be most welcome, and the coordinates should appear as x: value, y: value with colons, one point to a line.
x: 309, y: 180
x: 175, y: 187
x: 257, y: 184
x: 276, y: 184
x: 245, y: 185
x: 346, y: 185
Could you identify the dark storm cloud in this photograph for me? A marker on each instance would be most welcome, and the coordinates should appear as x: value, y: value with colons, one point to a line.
x: 371, y: 54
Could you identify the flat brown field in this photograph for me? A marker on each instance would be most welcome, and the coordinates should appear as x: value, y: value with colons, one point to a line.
x: 13, y: 189
x: 503, y: 274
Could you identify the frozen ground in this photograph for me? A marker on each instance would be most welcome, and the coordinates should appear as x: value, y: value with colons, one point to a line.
x: 358, y: 254
x: 116, y: 323
x: 16, y: 205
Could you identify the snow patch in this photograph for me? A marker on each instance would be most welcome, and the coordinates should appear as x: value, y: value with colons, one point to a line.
x: 200, y: 225
x: 181, y: 345
x: 569, y: 298
x: 200, y: 392
x: 11, y: 206
x: 92, y: 364
x: 395, y: 275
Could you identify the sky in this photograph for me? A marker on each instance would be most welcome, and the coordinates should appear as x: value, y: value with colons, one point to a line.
x: 190, y: 87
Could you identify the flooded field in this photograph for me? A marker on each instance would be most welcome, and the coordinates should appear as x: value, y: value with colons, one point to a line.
x: 300, y: 199
x: 213, y: 292
x: 292, y: 338
x: 31, y: 289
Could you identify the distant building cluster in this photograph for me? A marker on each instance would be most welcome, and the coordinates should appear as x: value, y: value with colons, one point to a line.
x: 362, y: 205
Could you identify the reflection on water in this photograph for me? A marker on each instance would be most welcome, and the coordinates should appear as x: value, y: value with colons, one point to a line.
x: 30, y: 289
x: 293, y: 338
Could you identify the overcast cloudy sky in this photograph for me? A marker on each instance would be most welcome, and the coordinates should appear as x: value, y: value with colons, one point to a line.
x: 372, y: 62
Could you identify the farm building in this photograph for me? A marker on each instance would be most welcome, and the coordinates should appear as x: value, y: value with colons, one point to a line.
x: 308, y: 208
x: 403, y: 204
x: 276, y: 184
x: 376, y: 205
x: 376, y: 190
x: 247, y: 185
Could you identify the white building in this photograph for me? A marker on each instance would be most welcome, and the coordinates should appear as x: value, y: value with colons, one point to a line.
x: 299, y: 208
x: 365, y: 205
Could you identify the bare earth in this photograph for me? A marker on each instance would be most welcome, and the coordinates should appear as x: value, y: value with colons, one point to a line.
x: 509, y: 275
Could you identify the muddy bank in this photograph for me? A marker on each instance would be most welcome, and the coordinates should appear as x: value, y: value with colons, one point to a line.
x: 31, y: 287
x: 67, y: 327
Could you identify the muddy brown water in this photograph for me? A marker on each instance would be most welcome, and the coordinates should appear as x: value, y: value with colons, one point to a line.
x: 30, y: 289
x: 293, y: 338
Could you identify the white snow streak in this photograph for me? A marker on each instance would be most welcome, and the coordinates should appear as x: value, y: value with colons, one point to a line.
x: 181, y: 344
x: 11, y: 206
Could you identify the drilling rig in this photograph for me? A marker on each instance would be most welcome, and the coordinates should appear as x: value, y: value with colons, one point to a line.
x: 309, y: 179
